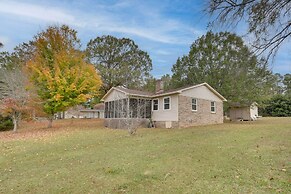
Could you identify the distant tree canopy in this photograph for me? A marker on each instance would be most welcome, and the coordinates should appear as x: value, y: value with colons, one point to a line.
x: 269, y: 21
x: 59, y: 72
x: 119, y: 62
x: 223, y: 61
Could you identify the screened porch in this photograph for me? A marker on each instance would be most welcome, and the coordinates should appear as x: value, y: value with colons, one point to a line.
x: 136, y: 108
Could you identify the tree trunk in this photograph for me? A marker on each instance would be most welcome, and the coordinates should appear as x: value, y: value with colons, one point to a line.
x: 50, y: 122
x: 18, y: 119
x: 15, y: 123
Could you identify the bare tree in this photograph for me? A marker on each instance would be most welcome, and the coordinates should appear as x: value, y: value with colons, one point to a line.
x: 268, y: 20
x: 14, y: 94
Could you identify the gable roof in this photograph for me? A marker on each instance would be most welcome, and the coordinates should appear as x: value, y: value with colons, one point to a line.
x: 134, y: 92
x: 131, y: 92
x: 128, y: 92
x: 182, y: 89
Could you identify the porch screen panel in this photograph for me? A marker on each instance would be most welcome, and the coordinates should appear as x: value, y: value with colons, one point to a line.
x: 124, y: 108
x: 106, y: 110
x: 148, y: 109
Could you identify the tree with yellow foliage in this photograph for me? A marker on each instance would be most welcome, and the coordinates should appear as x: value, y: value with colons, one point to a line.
x: 59, y: 71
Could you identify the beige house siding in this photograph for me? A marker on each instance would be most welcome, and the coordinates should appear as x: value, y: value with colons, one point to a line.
x: 201, y: 92
x: 166, y: 115
x: 203, y: 115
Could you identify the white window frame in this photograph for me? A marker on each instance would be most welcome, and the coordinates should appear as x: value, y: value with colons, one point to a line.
x: 154, y: 104
x: 196, y: 104
x: 169, y: 103
x: 213, y: 106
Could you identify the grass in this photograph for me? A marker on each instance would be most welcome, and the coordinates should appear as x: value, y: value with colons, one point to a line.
x: 80, y: 156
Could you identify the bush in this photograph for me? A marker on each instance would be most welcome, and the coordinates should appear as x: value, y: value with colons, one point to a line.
x: 278, y: 106
x: 5, y: 123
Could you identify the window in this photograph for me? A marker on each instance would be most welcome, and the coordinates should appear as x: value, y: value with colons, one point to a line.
x: 213, y: 108
x: 194, y: 104
x: 167, y: 103
x: 156, y: 104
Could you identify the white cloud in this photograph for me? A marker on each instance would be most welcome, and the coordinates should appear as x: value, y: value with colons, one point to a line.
x: 154, y: 27
x: 44, y: 13
x: 163, y: 52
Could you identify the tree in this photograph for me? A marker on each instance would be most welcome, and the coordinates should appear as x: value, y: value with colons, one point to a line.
x: 15, y: 94
x: 277, y: 106
x: 1, y: 45
x: 287, y: 83
x: 119, y: 62
x: 223, y: 61
x: 278, y: 87
x: 150, y: 83
x: 268, y: 20
x: 59, y: 71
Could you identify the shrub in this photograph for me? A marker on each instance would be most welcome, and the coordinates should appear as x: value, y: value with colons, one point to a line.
x: 278, y: 106
x: 5, y: 123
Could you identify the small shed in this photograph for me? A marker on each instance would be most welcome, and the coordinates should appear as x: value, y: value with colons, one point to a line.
x: 243, y: 112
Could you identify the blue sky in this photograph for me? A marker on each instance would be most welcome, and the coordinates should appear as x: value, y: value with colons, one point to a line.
x: 163, y: 28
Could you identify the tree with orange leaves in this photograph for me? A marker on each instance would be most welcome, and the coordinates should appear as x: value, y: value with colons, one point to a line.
x: 59, y: 71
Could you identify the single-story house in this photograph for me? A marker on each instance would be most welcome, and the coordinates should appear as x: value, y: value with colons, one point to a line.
x: 81, y: 112
x: 243, y: 112
x: 189, y: 106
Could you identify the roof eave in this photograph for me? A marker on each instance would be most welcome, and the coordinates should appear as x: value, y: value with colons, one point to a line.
x: 165, y: 94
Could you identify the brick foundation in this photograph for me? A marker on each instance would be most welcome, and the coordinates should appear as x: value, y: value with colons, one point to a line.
x: 122, y: 123
x: 162, y: 124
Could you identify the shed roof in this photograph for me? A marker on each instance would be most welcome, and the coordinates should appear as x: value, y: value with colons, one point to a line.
x: 241, y: 105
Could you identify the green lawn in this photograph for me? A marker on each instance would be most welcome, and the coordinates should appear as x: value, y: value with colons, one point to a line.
x: 246, y: 157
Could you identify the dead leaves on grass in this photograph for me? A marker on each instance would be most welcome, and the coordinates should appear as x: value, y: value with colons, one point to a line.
x: 39, y: 131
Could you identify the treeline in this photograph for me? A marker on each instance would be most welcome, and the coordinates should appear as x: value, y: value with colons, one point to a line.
x: 227, y: 64
x: 51, y: 73
x: 279, y: 105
